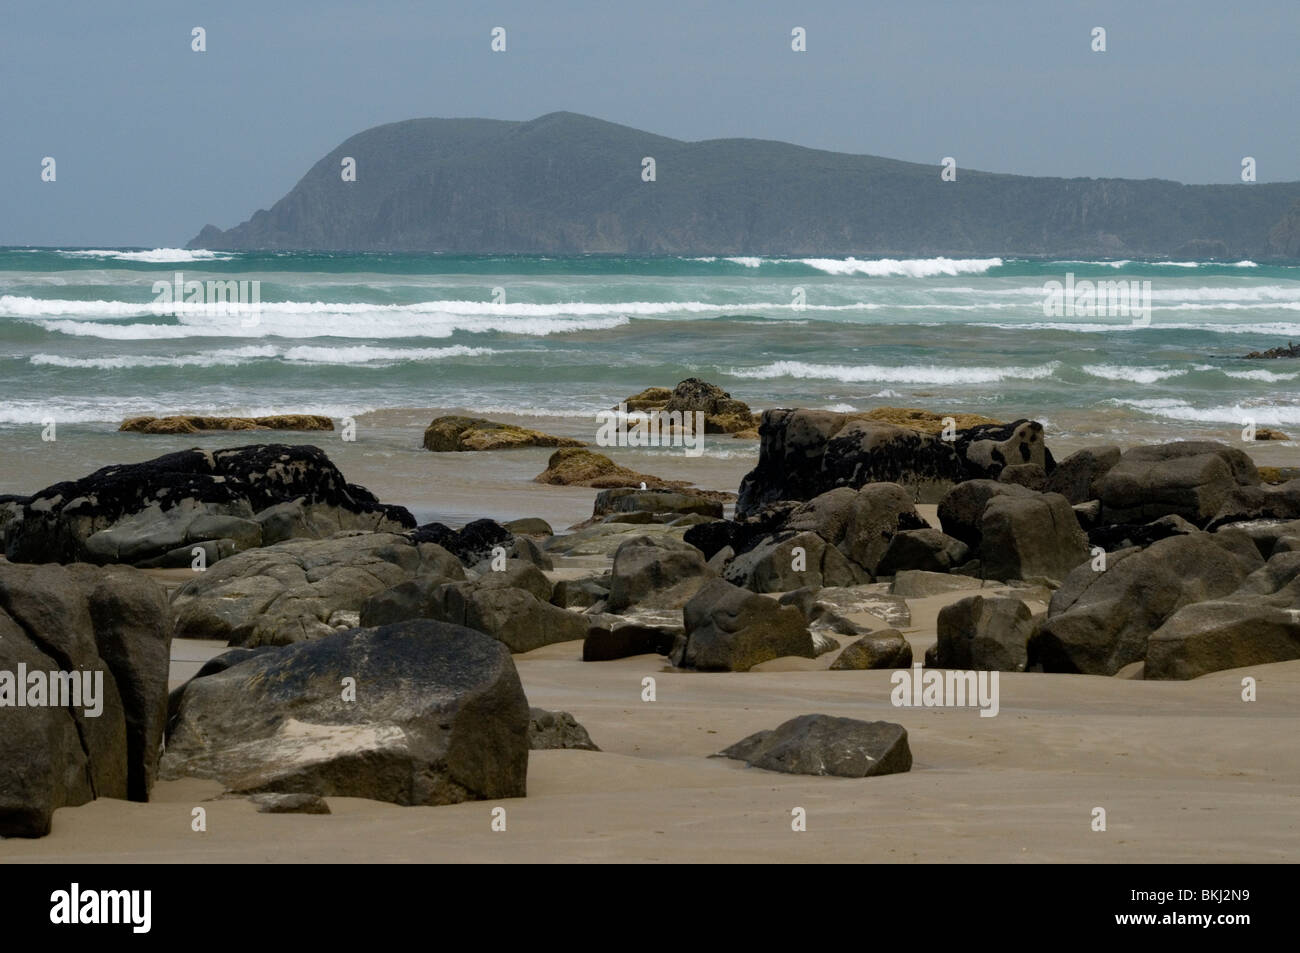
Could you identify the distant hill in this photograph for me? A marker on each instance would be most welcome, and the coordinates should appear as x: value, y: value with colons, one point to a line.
x: 566, y: 183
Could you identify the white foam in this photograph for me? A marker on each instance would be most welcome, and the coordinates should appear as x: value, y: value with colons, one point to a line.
x: 907, y: 267
x: 1134, y: 375
x: 155, y: 255
x: 916, y: 374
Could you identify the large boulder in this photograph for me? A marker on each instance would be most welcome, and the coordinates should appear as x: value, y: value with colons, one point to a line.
x: 731, y: 629
x: 1222, y: 634
x: 1098, y: 622
x: 1077, y: 477
x: 578, y: 466
x: 1191, y: 479
x: 515, y: 617
x: 664, y: 504
x: 656, y: 572
x: 548, y: 730
x: 303, y: 589
x: 791, y: 560
x: 722, y: 412
x: 156, y: 512
x: 1030, y: 537
x: 109, y: 633
x: 625, y: 641
x: 419, y: 712
x: 961, y: 511
x: 825, y: 745
x: 989, y: 633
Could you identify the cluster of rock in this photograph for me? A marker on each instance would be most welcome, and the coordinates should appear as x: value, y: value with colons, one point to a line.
x: 723, y: 414
x: 195, y: 423
x: 1291, y: 350
x: 155, y: 513
x: 457, y: 434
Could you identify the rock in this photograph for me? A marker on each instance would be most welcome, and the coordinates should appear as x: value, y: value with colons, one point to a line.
x: 652, y: 398
x: 1266, y: 433
x: 138, y: 512
x: 1029, y: 475
x: 722, y: 413
x: 1191, y: 479
x: 777, y: 565
x: 580, y: 593
x: 513, y: 616
x: 884, y: 648
x: 825, y: 606
x: 1099, y: 622
x: 742, y: 535
x: 625, y: 641
x: 288, y: 592
x: 1088, y: 514
x: 1124, y: 535
x: 732, y: 629
x: 1026, y: 538
x: 961, y: 511
x: 1077, y: 476
x: 1266, y: 534
x: 556, y: 729
x: 1291, y: 350
x: 1248, y: 503
x: 457, y: 434
x: 188, y: 423
x: 879, y: 510
x: 824, y: 745
x: 110, y: 631
x: 823, y: 642
x: 290, y: 804
x: 1271, y: 475
x: 412, y: 599
x: 529, y: 526
x: 656, y: 572
x: 919, y: 584
x: 984, y: 633
x: 925, y: 549
x: 472, y: 543
x: 1215, y: 636
x: 604, y: 539
x: 518, y: 574
x: 439, y: 717
x: 624, y: 500
x: 989, y: 449
x: 926, y: 421
x: 580, y: 467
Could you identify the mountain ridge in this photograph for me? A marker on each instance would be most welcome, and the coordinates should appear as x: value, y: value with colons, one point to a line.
x: 565, y: 183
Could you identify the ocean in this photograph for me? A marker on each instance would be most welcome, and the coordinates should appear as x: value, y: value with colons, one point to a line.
x: 84, y: 341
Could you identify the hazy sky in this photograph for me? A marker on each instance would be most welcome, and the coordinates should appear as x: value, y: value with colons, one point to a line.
x: 153, y: 140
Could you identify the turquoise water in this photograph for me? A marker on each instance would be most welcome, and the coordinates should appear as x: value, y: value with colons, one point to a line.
x: 82, y: 342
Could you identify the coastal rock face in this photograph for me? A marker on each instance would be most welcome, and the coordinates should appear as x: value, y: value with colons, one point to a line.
x: 1030, y: 537
x: 439, y: 716
x: 730, y: 629
x: 303, y: 589
x: 804, y: 453
x: 190, y: 423
x: 983, y: 633
x: 1077, y: 476
x: 113, y: 624
x: 825, y: 745
x: 1098, y: 622
x: 656, y: 572
x: 457, y: 434
x: 1191, y: 479
x: 884, y: 648
x: 155, y: 512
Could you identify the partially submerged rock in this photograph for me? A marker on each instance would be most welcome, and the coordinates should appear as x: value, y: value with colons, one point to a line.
x: 194, y: 423
x: 575, y: 466
x: 454, y: 434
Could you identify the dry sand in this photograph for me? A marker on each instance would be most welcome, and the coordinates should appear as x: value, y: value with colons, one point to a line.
x: 1186, y: 771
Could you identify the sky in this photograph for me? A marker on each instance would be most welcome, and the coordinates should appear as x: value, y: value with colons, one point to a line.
x: 153, y: 140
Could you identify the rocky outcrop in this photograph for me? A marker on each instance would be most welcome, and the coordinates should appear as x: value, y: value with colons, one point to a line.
x: 804, y: 453
x: 1098, y: 622
x: 226, y: 501
x: 303, y: 589
x: 458, y: 434
x: 723, y: 414
x: 190, y: 423
x: 824, y: 745
x: 730, y: 629
x: 884, y: 648
x: 415, y: 713
x: 107, y: 633
x: 656, y: 572
x: 1035, y: 537
x: 1292, y: 349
